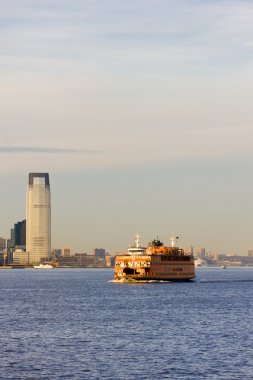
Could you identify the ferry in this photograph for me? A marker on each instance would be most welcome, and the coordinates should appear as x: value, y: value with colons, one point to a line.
x: 156, y: 262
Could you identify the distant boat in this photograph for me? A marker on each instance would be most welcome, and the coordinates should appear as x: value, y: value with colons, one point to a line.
x: 223, y: 267
x: 200, y: 262
x: 43, y: 266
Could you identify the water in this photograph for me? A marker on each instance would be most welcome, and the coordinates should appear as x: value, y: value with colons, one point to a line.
x: 76, y: 324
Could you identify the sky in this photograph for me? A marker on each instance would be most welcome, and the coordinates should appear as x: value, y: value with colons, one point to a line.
x: 141, y: 113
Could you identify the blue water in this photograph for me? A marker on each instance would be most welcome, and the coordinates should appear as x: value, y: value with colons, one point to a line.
x: 76, y: 324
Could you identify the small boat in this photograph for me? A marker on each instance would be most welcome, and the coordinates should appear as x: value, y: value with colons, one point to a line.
x: 200, y: 262
x: 43, y: 266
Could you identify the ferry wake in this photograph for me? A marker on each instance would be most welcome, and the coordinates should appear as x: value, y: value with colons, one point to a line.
x: 156, y: 262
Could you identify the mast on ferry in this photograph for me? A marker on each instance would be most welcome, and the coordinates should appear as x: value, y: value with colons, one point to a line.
x: 137, y: 240
x: 173, y: 240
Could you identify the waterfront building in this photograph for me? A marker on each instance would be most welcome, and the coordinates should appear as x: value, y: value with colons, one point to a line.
x: 11, y: 241
x: 3, y: 254
x: 17, y: 238
x: 2, y: 244
x: 20, y: 233
x: 215, y: 256
x: 3, y: 258
x: 56, y: 252
x: 200, y: 253
x: 38, y: 217
x: 20, y: 256
x: 250, y: 253
x: 100, y: 254
x: 78, y: 260
x: 66, y: 252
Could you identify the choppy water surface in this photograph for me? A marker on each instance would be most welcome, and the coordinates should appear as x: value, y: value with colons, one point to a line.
x: 76, y: 324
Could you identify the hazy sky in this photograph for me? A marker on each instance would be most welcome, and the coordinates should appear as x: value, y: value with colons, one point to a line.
x: 141, y: 112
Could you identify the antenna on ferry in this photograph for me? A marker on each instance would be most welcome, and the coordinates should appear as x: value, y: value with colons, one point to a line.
x: 172, y: 241
x: 137, y: 240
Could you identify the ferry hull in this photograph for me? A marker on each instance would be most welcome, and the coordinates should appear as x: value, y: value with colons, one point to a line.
x: 140, y: 279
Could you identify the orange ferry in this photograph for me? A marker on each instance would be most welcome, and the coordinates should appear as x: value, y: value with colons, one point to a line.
x: 156, y: 262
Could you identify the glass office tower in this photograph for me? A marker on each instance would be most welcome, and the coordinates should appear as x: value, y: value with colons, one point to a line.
x: 38, y: 217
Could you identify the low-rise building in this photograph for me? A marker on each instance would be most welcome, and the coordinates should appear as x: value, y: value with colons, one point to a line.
x: 20, y: 257
x: 77, y: 260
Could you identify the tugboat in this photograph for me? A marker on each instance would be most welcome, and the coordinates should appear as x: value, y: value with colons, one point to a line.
x: 154, y: 263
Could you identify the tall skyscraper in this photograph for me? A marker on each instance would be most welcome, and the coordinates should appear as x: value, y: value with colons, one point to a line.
x: 38, y: 217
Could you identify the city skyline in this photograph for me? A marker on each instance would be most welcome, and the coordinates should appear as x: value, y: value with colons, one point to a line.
x: 139, y: 111
x: 42, y: 180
